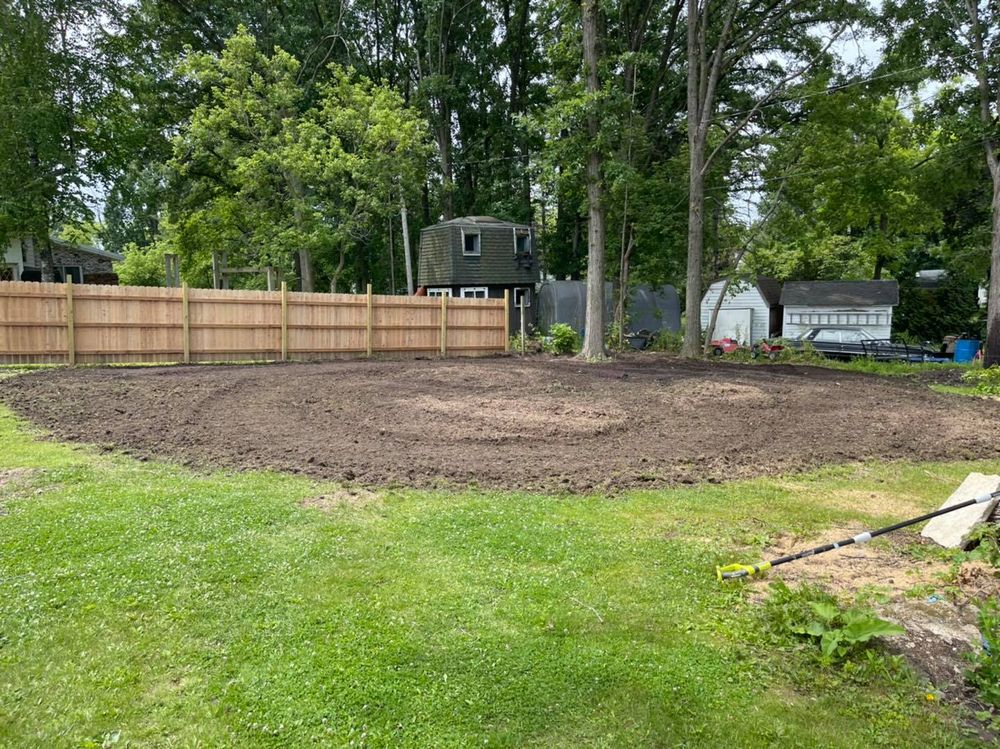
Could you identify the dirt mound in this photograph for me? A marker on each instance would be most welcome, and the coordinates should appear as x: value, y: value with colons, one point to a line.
x: 548, y: 425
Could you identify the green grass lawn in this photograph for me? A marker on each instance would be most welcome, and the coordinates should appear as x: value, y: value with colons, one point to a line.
x: 145, y: 605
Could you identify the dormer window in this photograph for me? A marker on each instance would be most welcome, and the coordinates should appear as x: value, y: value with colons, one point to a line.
x: 471, y: 243
x: 522, y: 242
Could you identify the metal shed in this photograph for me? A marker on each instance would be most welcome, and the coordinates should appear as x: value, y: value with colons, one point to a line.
x: 647, y: 308
x: 750, y: 311
x: 856, y: 304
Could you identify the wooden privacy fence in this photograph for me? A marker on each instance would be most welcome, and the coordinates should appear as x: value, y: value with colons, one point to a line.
x: 71, y: 324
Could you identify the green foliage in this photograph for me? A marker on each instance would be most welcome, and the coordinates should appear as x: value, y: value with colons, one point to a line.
x: 260, y: 172
x: 986, y: 381
x: 561, y: 340
x: 985, y: 540
x: 50, y: 90
x: 985, y: 671
x: 667, y: 340
x: 855, y: 201
x: 142, y: 266
x: 811, y: 613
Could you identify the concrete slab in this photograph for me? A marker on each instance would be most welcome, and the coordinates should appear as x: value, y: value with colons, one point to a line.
x: 952, y: 530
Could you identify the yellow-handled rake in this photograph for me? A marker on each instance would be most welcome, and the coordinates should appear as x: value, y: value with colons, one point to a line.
x: 735, y: 571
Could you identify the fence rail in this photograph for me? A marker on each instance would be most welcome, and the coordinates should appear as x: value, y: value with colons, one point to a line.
x: 56, y: 323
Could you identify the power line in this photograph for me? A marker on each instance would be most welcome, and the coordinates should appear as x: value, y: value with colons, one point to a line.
x: 829, y: 90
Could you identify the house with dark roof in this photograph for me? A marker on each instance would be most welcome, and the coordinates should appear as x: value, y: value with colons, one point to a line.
x: 866, y: 305
x: 84, y: 264
x: 480, y: 257
x: 750, y: 310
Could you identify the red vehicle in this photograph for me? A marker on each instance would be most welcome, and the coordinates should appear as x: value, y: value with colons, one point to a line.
x: 725, y: 346
x: 764, y: 348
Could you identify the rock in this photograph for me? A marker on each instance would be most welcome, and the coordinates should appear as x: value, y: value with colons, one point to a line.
x: 952, y: 530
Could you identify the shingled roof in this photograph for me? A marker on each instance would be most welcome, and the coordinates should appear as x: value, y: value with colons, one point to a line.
x: 839, y: 293
x: 770, y: 289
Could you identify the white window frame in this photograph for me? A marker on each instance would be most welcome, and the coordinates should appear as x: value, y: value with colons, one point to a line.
x: 439, y: 292
x: 472, y: 292
x: 526, y: 233
x: 479, y: 242
x: 525, y: 292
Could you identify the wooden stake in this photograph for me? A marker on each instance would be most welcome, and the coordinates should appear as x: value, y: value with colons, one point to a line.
x: 506, y: 319
x: 520, y: 314
x: 368, y: 328
x: 186, y: 323
x: 70, y: 323
x: 444, y: 325
x: 284, y: 321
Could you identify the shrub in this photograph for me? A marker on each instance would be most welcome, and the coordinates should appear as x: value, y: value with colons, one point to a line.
x: 812, y: 614
x: 985, y: 538
x: 985, y: 671
x: 561, y: 340
x: 614, y: 337
x: 987, y: 381
x: 667, y: 340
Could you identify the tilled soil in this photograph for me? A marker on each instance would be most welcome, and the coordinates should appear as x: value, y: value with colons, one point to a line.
x: 540, y: 424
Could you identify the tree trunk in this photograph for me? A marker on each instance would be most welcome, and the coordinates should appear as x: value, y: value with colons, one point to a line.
x: 696, y: 245
x: 714, y: 318
x: 48, y: 269
x: 992, y: 355
x: 406, y: 246
x: 696, y: 184
x: 593, y: 339
x: 443, y: 131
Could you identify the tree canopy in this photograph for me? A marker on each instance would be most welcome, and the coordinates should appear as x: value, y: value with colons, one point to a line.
x: 291, y: 133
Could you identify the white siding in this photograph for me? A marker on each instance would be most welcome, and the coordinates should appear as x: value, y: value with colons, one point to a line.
x: 877, y: 320
x: 738, y: 297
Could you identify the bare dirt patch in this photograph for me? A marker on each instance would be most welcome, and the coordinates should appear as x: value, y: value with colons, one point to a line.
x: 881, y: 565
x: 342, y: 498
x: 12, y: 477
x: 537, y: 424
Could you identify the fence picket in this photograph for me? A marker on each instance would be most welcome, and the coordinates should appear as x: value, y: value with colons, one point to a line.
x: 89, y: 324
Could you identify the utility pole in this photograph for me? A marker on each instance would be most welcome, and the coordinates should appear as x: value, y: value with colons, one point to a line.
x: 406, y: 246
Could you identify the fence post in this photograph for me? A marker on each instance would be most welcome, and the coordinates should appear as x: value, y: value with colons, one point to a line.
x: 368, y: 327
x: 444, y: 325
x: 284, y: 321
x: 506, y: 319
x: 70, y: 322
x: 186, y: 323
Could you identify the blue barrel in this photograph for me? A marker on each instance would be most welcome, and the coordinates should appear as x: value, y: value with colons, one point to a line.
x: 966, y: 349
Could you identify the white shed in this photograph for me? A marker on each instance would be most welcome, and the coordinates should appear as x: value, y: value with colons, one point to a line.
x: 16, y: 256
x: 854, y: 304
x: 749, y: 312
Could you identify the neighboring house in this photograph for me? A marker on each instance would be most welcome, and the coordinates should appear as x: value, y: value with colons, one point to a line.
x: 481, y: 257
x: 866, y: 305
x: 749, y: 311
x: 22, y: 262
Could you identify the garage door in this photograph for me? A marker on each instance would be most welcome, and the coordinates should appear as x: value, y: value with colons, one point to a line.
x: 734, y: 323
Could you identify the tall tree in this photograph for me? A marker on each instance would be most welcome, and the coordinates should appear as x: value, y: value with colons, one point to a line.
x: 261, y: 174
x: 856, y: 184
x: 960, y: 39
x: 593, y: 339
x: 50, y: 76
x: 725, y: 45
